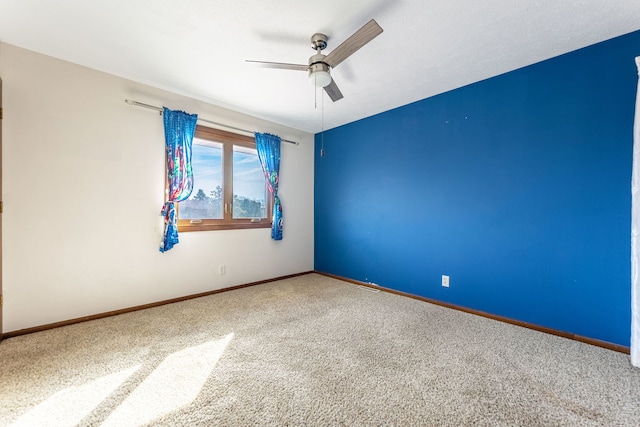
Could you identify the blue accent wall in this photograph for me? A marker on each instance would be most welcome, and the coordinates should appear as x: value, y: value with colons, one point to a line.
x: 517, y: 187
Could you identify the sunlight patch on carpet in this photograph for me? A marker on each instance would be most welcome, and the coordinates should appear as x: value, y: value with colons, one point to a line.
x: 69, y: 406
x: 174, y: 384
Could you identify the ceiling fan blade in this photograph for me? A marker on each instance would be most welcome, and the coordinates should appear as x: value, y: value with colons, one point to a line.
x: 282, y: 65
x: 364, y: 35
x: 333, y: 91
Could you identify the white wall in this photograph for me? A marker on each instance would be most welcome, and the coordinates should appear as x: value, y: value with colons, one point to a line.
x: 83, y: 186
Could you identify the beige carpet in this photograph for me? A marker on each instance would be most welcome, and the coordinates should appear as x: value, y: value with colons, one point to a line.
x: 310, y: 351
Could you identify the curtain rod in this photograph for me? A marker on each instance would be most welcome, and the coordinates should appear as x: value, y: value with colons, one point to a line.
x: 159, y: 109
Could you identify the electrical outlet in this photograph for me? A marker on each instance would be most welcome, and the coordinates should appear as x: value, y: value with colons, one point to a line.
x: 445, y: 281
x: 222, y: 269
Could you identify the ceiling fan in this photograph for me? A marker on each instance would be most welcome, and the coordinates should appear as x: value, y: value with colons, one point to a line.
x: 319, y: 64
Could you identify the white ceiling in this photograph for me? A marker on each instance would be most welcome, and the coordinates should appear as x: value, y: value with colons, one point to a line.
x: 198, y: 47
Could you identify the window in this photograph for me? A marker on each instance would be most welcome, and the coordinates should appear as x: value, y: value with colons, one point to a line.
x: 229, y: 189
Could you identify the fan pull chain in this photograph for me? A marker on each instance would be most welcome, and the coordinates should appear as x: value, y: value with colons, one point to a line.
x: 322, y: 127
x: 315, y: 92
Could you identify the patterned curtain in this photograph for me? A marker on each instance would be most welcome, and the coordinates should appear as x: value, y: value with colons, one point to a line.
x: 179, y: 128
x: 268, y: 147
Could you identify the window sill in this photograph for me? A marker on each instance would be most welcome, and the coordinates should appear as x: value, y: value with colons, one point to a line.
x: 212, y: 227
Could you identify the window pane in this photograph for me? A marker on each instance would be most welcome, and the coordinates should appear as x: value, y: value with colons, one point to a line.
x: 249, y: 190
x: 205, y: 201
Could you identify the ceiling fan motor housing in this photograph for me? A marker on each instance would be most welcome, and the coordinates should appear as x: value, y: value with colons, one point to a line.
x: 319, y: 70
x: 316, y: 63
x: 319, y: 66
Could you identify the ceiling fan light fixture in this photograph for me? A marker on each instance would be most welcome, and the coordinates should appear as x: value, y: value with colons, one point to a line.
x: 319, y: 73
x: 320, y: 78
